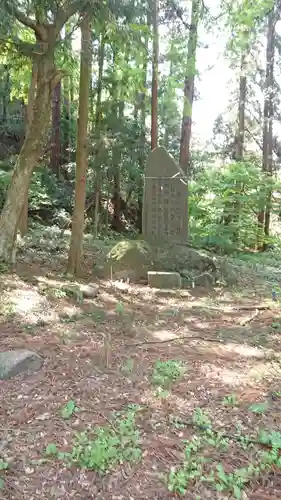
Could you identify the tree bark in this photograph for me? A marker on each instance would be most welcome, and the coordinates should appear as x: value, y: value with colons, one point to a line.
x: 116, y: 222
x: 240, y: 134
x: 268, y: 128
x: 268, y: 111
x: 55, y: 157
x: 28, y: 158
x: 23, y: 222
x: 142, y: 136
x: 65, y: 154
x: 43, y: 50
x: 97, y: 131
x: 155, y: 64
x: 65, y: 157
x: 189, y: 89
x: 233, y: 214
x: 76, y: 245
x: 6, y: 93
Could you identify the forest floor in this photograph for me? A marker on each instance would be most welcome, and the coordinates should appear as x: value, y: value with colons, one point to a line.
x: 184, y: 398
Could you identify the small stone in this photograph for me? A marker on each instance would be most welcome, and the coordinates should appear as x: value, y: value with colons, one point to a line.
x: 164, y: 279
x: 18, y: 361
x: 44, y: 416
x: 89, y: 291
x: 29, y: 470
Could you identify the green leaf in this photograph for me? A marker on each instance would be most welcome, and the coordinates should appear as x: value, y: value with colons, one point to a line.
x: 68, y: 410
x: 259, y: 407
x: 51, y: 449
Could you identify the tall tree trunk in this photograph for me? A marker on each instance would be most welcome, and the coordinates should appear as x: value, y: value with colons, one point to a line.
x: 264, y: 215
x: 65, y: 152
x: 141, y: 160
x: 6, y: 93
x: 76, y: 245
x: 189, y: 88
x: 142, y: 136
x: 167, y: 132
x: 268, y: 151
x: 72, y: 117
x: 23, y: 222
x: 31, y: 150
x: 97, y: 131
x: 155, y: 64
x: 65, y: 156
x: 234, y: 211
x: 116, y: 222
x: 240, y: 134
x: 55, y: 159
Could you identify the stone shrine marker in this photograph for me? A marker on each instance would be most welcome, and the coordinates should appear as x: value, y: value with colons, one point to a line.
x: 165, y: 204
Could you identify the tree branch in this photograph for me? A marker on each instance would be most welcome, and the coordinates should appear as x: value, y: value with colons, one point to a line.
x: 25, y: 48
x: 22, y: 18
x: 65, y: 13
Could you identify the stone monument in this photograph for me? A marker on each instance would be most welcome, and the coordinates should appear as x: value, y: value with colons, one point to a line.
x: 165, y: 199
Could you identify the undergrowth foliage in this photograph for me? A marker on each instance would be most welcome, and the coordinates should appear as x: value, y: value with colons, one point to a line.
x: 224, y: 204
x: 167, y: 372
x: 196, y: 463
x: 102, y: 448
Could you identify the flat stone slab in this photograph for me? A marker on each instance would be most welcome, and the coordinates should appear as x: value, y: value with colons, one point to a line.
x: 157, y: 279
x: 13, y: 363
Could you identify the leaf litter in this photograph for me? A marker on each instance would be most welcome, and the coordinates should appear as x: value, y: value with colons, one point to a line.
x: 201, y: 421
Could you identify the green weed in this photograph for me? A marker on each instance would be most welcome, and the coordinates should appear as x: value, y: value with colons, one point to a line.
x: 3, y: 467
x: 7, y: 308
x: 4, y: 268
x: 176, y: 422
x: 259, y: 407
x: 68, y: 410
x: 119, y: 308
x: 104, y: 447
x: 192, y: 468
x: 233, y: 482
x: 230, y: 400
x: 165, y: 373
x: 276, y: 326
x: 201, y: 419
x: 272, y: 438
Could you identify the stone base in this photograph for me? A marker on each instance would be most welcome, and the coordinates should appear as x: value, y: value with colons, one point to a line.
x: 164, y: 279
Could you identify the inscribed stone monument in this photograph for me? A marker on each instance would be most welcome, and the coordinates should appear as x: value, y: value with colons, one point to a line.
x: 165, y: 199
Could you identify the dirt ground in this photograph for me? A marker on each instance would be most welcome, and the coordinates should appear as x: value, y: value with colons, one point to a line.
x: 100, y: 356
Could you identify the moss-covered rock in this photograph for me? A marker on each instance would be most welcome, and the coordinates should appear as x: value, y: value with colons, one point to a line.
x: 179, y: 257
x: 130, y: 259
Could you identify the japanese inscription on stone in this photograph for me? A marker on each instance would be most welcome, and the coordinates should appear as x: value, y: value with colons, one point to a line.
x: 165, y: 202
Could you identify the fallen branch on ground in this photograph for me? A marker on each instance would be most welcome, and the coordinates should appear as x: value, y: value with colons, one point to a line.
x: 250, y: 308
x: 245, y: 321
x: 197, y: 337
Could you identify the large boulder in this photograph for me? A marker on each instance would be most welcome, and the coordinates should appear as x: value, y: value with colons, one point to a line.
x: 157, y: 279
x: 180, y: 257
x: 130, y: 259
x: 18, y: 361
